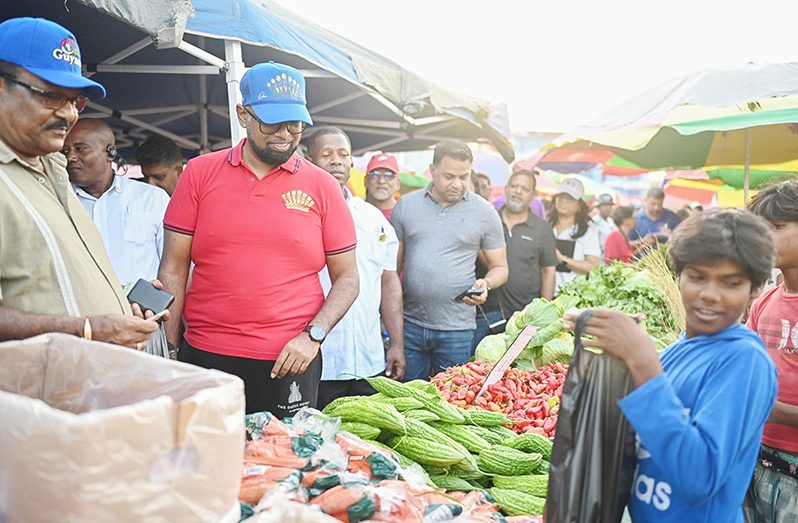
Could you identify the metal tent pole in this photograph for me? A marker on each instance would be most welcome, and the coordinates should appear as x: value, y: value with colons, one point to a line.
x: 747, y: 176
x: 235, y: 71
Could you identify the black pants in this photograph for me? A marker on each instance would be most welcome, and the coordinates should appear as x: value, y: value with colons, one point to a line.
x: 282, y: 397
x: 331, y: 389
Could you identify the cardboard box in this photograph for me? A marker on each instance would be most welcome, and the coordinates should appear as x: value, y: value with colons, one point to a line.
x: 95, y: 432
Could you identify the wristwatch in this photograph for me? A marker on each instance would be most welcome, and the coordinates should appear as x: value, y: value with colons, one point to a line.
x: 316, y: 332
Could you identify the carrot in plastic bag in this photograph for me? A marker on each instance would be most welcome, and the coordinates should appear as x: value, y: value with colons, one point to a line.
x: 397, y: 503
x: 354, y: 446
x: 262, y: 424
x: 478, y: 508
x: 273, y: 450
x: 351, y: 503
x: 259, y: 479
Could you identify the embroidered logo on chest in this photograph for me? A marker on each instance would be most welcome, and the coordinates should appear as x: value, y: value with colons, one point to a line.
x: 298, y: 200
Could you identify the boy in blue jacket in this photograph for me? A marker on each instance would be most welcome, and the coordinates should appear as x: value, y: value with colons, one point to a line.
x: 698, y: 410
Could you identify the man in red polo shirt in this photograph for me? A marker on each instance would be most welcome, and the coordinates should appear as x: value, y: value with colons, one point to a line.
x: 259, y: 222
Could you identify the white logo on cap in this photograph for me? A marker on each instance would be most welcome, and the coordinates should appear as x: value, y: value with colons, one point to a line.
x: 68, y: 52
x: 284, y: 86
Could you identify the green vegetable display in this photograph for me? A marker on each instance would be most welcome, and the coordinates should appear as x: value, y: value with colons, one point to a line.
x: 626, y: 288
x: 629, y: 289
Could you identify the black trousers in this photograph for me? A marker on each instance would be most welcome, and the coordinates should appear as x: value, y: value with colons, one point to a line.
x: 282, y: 397
x: 331, y: 389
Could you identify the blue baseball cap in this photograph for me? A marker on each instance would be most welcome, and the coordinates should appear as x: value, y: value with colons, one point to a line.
x: 276, y: 93
x: 47, y: 50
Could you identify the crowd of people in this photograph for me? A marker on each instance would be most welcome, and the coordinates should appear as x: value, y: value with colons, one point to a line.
x: 284, y: 278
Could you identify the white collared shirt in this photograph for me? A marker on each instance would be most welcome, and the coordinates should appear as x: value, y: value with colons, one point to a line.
x: 129, y: 216
x: 354, y: 347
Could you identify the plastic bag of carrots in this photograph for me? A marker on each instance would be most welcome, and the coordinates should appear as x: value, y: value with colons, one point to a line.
x: 307, y: 459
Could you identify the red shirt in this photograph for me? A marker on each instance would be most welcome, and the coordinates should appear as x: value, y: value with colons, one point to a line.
x: 617, y: 247
x: 774, y: 316
x: 258, y: 247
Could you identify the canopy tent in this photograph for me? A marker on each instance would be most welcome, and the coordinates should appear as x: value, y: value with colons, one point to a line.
x: 173, y: 67
x: 724, y: 117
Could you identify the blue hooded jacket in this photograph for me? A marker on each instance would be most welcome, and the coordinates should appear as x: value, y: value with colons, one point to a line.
x: 699, y: 427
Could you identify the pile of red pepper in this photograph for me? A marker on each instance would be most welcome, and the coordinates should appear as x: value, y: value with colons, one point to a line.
x: 530, y: 398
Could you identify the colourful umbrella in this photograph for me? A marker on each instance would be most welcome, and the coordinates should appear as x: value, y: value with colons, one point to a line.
x: 576, y: 160
x: 705, y: 192
x: 726, y: 117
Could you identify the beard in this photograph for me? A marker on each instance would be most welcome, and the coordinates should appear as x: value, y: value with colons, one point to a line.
x: 268, y: 156
x: 516, y: 207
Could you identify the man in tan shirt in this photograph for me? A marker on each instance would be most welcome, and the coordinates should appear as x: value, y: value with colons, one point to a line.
x: 54, y: 273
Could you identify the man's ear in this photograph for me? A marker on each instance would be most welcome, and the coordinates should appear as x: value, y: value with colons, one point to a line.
x: 243, y: 116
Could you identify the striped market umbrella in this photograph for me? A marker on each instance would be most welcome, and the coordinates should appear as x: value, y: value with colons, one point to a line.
x: 577, y: 160
x: 723, y: 118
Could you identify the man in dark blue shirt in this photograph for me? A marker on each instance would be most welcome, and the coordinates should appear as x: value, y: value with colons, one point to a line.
x: 654, y: 218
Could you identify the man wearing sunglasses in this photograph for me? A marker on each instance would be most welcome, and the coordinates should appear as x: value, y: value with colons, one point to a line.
x: 259, y: 222
x: 54, y: 273
x: 382, y: 183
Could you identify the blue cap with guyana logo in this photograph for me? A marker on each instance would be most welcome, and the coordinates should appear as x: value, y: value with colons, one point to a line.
x: 276, y: 93
x: 47, y: 50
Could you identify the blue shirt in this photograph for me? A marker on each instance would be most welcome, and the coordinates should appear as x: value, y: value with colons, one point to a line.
x: 645, y: 225
x: 129, y: 216
x: 699, y: 427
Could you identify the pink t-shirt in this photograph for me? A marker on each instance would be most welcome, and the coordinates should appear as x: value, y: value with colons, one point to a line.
x: 774, y: 316
x: 617, y: 247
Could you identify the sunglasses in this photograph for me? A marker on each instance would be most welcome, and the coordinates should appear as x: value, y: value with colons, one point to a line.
x: 51, y: 100
x: 389, y: 176
x: 267, y: 128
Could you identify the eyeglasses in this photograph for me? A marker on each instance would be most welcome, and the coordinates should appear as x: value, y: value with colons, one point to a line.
x: 51, y: 100
x: 387, y: 176
x: 268, y: 128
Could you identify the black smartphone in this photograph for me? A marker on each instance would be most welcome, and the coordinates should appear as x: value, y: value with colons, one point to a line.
x: 148, y: 297
x: 473, y: 291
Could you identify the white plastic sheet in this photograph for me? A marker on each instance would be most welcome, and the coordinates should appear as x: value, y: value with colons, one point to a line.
x: 94, y: 432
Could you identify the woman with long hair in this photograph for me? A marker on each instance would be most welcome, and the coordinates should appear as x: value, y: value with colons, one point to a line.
x: 578, y: 247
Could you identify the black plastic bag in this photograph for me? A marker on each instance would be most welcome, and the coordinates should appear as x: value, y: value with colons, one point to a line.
x: 592, y: 464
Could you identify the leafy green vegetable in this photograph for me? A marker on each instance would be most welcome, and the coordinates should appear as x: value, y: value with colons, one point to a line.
x: 566, y: 303
x: 617, y: 286
x: 513, y: 328
x: 491, y: 349
x: 624, y: 288
x: 559, y: 349
x: 541, y: 313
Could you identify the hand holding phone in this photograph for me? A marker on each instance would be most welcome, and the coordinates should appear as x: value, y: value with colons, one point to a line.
x: 473, y: 291
x: 158, y: 317
x: 148, y: 297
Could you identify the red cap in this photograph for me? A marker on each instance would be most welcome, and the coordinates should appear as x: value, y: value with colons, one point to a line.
x: 383, y: 161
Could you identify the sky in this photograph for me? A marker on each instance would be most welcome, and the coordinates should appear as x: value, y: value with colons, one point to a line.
x: 558, y: 64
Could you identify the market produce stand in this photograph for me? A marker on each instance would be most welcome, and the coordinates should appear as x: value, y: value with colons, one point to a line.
x: 466, y: 444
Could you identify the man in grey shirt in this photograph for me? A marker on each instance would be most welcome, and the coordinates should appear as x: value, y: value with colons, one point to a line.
x: 442, y: 229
